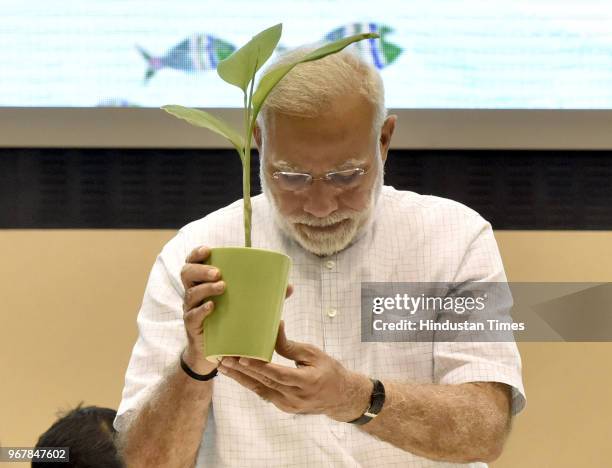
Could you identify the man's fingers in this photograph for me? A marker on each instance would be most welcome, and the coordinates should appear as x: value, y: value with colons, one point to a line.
x: 289, y: 291
x: 196, y: 294
x: 270, y: 374
x: 193, y: 318
x: 198, y: 255
x: 252, y: 384
x: 196, y: 273
x: 300, y: 352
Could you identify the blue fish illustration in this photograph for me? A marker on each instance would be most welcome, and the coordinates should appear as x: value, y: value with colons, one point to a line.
x: 198, y: 52
x: 380, y: 53
x: 116, y: 102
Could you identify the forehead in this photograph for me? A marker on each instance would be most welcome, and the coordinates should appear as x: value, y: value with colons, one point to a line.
x: 342, y: 137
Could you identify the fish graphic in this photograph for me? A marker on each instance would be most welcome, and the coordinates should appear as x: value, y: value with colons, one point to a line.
x: 380, y: 53
x: 196, y: 53
x: 116, y: 102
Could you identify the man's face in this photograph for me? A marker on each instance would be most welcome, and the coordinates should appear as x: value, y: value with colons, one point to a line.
x: 321, y: 217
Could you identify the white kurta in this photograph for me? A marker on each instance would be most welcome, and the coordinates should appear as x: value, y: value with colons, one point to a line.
x: 412, y: 238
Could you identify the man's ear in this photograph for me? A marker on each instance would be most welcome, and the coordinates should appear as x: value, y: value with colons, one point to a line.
x: 257, y: 137
x: 385, y: 135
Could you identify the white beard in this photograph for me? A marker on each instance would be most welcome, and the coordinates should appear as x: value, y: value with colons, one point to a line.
x: 328, y: 242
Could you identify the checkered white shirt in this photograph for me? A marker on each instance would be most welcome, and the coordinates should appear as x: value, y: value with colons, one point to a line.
x: 412, y: 238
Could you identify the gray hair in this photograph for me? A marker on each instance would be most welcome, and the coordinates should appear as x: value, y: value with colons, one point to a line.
x: 309, y: 88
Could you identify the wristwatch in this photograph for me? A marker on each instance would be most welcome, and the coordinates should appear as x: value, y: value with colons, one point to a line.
x: 377, y: 400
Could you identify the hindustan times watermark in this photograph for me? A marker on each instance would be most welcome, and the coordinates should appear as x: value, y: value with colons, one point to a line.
x: 486, y: 312
x: 432, y: 325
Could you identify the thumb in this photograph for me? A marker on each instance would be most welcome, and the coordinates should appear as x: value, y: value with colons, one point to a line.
x: 294, y: 350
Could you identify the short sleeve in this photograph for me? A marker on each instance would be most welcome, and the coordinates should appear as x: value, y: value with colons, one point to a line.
x: 463, y: 362
x: 161, y: 334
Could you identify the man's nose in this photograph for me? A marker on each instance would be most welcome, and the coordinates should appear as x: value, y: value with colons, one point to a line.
x: 320, y: 199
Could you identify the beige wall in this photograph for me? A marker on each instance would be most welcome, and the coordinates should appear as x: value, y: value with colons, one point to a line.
x: 67, y: 325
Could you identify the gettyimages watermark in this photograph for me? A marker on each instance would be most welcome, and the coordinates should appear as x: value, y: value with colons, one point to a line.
x: 486, y: 312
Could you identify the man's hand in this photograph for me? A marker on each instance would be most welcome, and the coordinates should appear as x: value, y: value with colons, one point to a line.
x: 201, y: 283
x: 318, y: 385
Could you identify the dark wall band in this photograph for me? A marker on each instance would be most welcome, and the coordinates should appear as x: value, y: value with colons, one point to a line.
x: 166, y: 188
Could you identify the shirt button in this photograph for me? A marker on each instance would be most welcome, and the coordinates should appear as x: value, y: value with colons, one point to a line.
x: 332, y: 313
x: 330, y: 264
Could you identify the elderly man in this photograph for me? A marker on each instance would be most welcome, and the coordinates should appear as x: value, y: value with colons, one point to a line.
x: 327, y: 399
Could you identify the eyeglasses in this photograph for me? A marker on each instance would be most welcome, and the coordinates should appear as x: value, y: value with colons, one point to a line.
x: 296, y: 181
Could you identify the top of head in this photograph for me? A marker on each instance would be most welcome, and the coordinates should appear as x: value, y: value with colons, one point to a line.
x: 311, y: 89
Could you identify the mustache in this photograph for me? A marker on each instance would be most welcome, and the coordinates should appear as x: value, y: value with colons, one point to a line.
x: 334, y: 218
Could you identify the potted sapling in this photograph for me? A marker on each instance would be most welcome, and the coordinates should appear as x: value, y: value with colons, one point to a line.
x: 247, y: 314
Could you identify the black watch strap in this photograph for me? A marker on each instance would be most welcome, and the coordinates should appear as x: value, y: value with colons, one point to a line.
x: 194, y: 375
x: 377, y: 400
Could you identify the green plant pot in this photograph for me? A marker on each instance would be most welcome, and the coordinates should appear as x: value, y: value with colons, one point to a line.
x: 247, y: 315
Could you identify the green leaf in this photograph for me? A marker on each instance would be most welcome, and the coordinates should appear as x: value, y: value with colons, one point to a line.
x: 271, y: 79
x: 199, y: 118
x: 240, y: 67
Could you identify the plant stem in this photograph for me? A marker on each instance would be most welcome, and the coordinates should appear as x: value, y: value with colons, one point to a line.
x: 246, y: 176
x: 246, y: 161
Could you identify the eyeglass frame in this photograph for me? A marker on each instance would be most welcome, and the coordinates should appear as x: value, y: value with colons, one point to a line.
x: 310, y: 180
